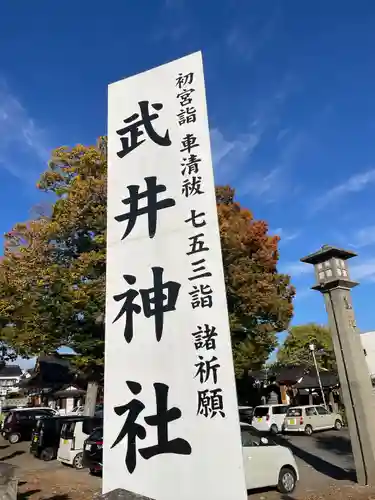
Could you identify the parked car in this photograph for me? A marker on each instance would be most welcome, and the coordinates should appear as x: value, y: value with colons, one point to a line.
x: 45, y: 438
x: 269, y: 418
x: 74, y: 432
x: 19, y: 423
x: 246, y: 414
x: 311, y: 418
x: 267, y: 464
x: 93, y: 452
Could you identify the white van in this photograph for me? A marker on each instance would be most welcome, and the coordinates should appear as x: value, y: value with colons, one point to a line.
x: 269, y: 418
x: 74, y: 432
x: 311, y: 418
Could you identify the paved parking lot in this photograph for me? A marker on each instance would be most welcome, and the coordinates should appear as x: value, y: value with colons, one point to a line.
x: 325, y: 463
x: 324, y: 460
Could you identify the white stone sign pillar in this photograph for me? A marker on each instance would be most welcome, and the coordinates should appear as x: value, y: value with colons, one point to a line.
x: 171, y: 424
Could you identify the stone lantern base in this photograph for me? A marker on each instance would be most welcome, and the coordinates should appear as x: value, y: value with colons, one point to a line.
x: 120, y: 494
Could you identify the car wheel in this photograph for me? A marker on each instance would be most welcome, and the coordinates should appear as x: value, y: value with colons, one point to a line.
x: 78, y: 461
x: 95, y: 472
x: 274, y: 429
x: 14, y: 438
x: 308, y: 430
x: 287, y: 480
x: 47, y: 454
x: 338, y: 425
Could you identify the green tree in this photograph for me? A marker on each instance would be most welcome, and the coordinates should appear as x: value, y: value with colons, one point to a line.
x: 295, y: 350
x: 53, y: 273
x: 53, y: 270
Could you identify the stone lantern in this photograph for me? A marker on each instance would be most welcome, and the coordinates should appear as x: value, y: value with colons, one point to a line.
x: 333, y: 280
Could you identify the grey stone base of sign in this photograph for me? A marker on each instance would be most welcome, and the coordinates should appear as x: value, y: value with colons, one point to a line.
x: 120, y: 494
x: 8, y: 482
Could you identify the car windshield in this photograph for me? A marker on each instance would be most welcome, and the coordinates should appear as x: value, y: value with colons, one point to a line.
x: 294, y: 412
x: 245, y: 411
x: 97, y: 435
x: 9, y: 417
x: 252, y: 437
x: 261, y: 411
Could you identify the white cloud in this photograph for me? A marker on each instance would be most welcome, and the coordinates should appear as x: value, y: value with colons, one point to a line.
x: 364, y: 270
x: 228, y: 154
x: 233, y: 156
x: 363, y: 237
x: 285, y: 236
x: 171, y: 34
x: 232, y: 162
x: 354, y: 184
x: 19, y: 136
x: 174, y: 4
x: 296, y: 269
x: 282, y: 133
x: 248, y: 43
x: 303, y: 293
x: 267, y: 186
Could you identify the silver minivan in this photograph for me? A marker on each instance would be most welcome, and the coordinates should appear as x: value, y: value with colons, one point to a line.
x: 311, y: 418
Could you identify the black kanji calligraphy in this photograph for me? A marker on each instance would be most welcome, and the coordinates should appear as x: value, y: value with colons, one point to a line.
x: 130, y: 135
x: 201, y: 296
x: 206, y: 369
x: 183, y: 80
x: 161, y: 419
x: 130, y: 428
x: 199, y: 270
x: 197, y: 244
x: 205, y: 337
x: 210, y: 403
x: 197, y: 219
x: 151, y: 207
x: 190, y: 165
x: 352, y: 323
x: 187, y: 115
x: 185, y: 97
x: 192, y: 186
x: 128, y: 308
x: 156, y: 301
x: 188, y: 143
x: 347, y: 304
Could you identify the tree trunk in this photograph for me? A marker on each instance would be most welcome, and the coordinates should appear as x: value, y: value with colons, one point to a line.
x: 90, y: 400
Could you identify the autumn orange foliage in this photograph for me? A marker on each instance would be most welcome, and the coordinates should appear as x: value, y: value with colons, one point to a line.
x: 52, y: 277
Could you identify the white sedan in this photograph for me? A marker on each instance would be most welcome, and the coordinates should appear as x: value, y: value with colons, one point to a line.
x: 267, y: 464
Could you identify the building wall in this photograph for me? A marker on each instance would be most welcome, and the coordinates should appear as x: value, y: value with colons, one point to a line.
x: 8, y: 384
x: 368, y: 343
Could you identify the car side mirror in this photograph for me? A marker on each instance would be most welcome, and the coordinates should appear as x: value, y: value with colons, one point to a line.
x: 263, y: 440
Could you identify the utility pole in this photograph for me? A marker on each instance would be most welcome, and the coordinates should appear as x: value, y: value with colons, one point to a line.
x: 333, y: 281
x: 312, y: 349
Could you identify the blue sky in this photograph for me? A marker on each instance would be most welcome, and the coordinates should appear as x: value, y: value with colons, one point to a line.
x: 290, y: 88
